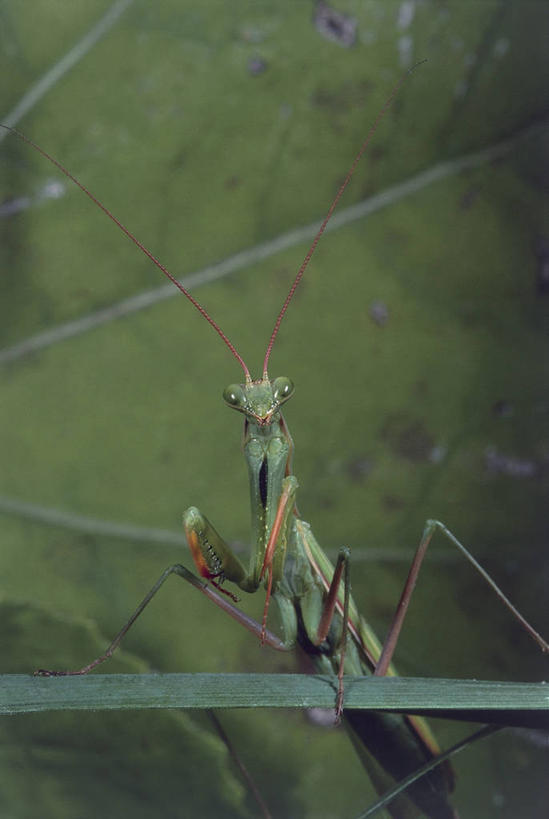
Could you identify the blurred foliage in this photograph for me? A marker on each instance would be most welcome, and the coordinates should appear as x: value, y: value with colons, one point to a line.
x: 417, y: 344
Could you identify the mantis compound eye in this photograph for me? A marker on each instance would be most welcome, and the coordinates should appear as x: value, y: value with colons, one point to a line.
x: 282, y: 389
x: 234, y: 396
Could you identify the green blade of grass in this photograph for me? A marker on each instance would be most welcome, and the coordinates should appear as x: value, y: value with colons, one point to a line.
x: 515, y: 704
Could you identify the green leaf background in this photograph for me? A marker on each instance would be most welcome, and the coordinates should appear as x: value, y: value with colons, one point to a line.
x: 168, y: 122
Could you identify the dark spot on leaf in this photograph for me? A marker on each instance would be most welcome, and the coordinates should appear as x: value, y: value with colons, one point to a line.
x: 256, y: 66
x: 408, y: 437
x: 359, y: 468
x: 232, y: 182
x: 344, y: 97
x: 392, y: 502
x: 502, y: 409
x: 333, y: 25
x: 469, y: 198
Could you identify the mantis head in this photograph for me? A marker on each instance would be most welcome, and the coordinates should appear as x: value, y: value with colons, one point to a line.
x: 260, y: 400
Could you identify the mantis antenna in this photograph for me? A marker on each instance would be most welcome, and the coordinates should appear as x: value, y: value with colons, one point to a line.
x: 202, y: 310
x: 135, y: 240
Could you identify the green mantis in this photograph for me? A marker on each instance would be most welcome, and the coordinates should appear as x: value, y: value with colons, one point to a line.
x: 316, y: 608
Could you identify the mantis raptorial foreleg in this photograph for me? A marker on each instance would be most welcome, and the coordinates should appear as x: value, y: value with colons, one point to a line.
x: 217, y: 562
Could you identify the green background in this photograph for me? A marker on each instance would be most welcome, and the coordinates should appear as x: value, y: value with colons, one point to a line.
x: 167, y: 123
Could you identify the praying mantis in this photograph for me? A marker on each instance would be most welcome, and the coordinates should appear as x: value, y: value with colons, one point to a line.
x: 286, y: 554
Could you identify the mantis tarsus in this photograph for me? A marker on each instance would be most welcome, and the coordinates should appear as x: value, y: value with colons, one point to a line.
x: 317, y: 611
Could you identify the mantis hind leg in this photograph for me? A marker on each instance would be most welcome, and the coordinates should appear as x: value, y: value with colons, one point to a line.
x: 432, y: 526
